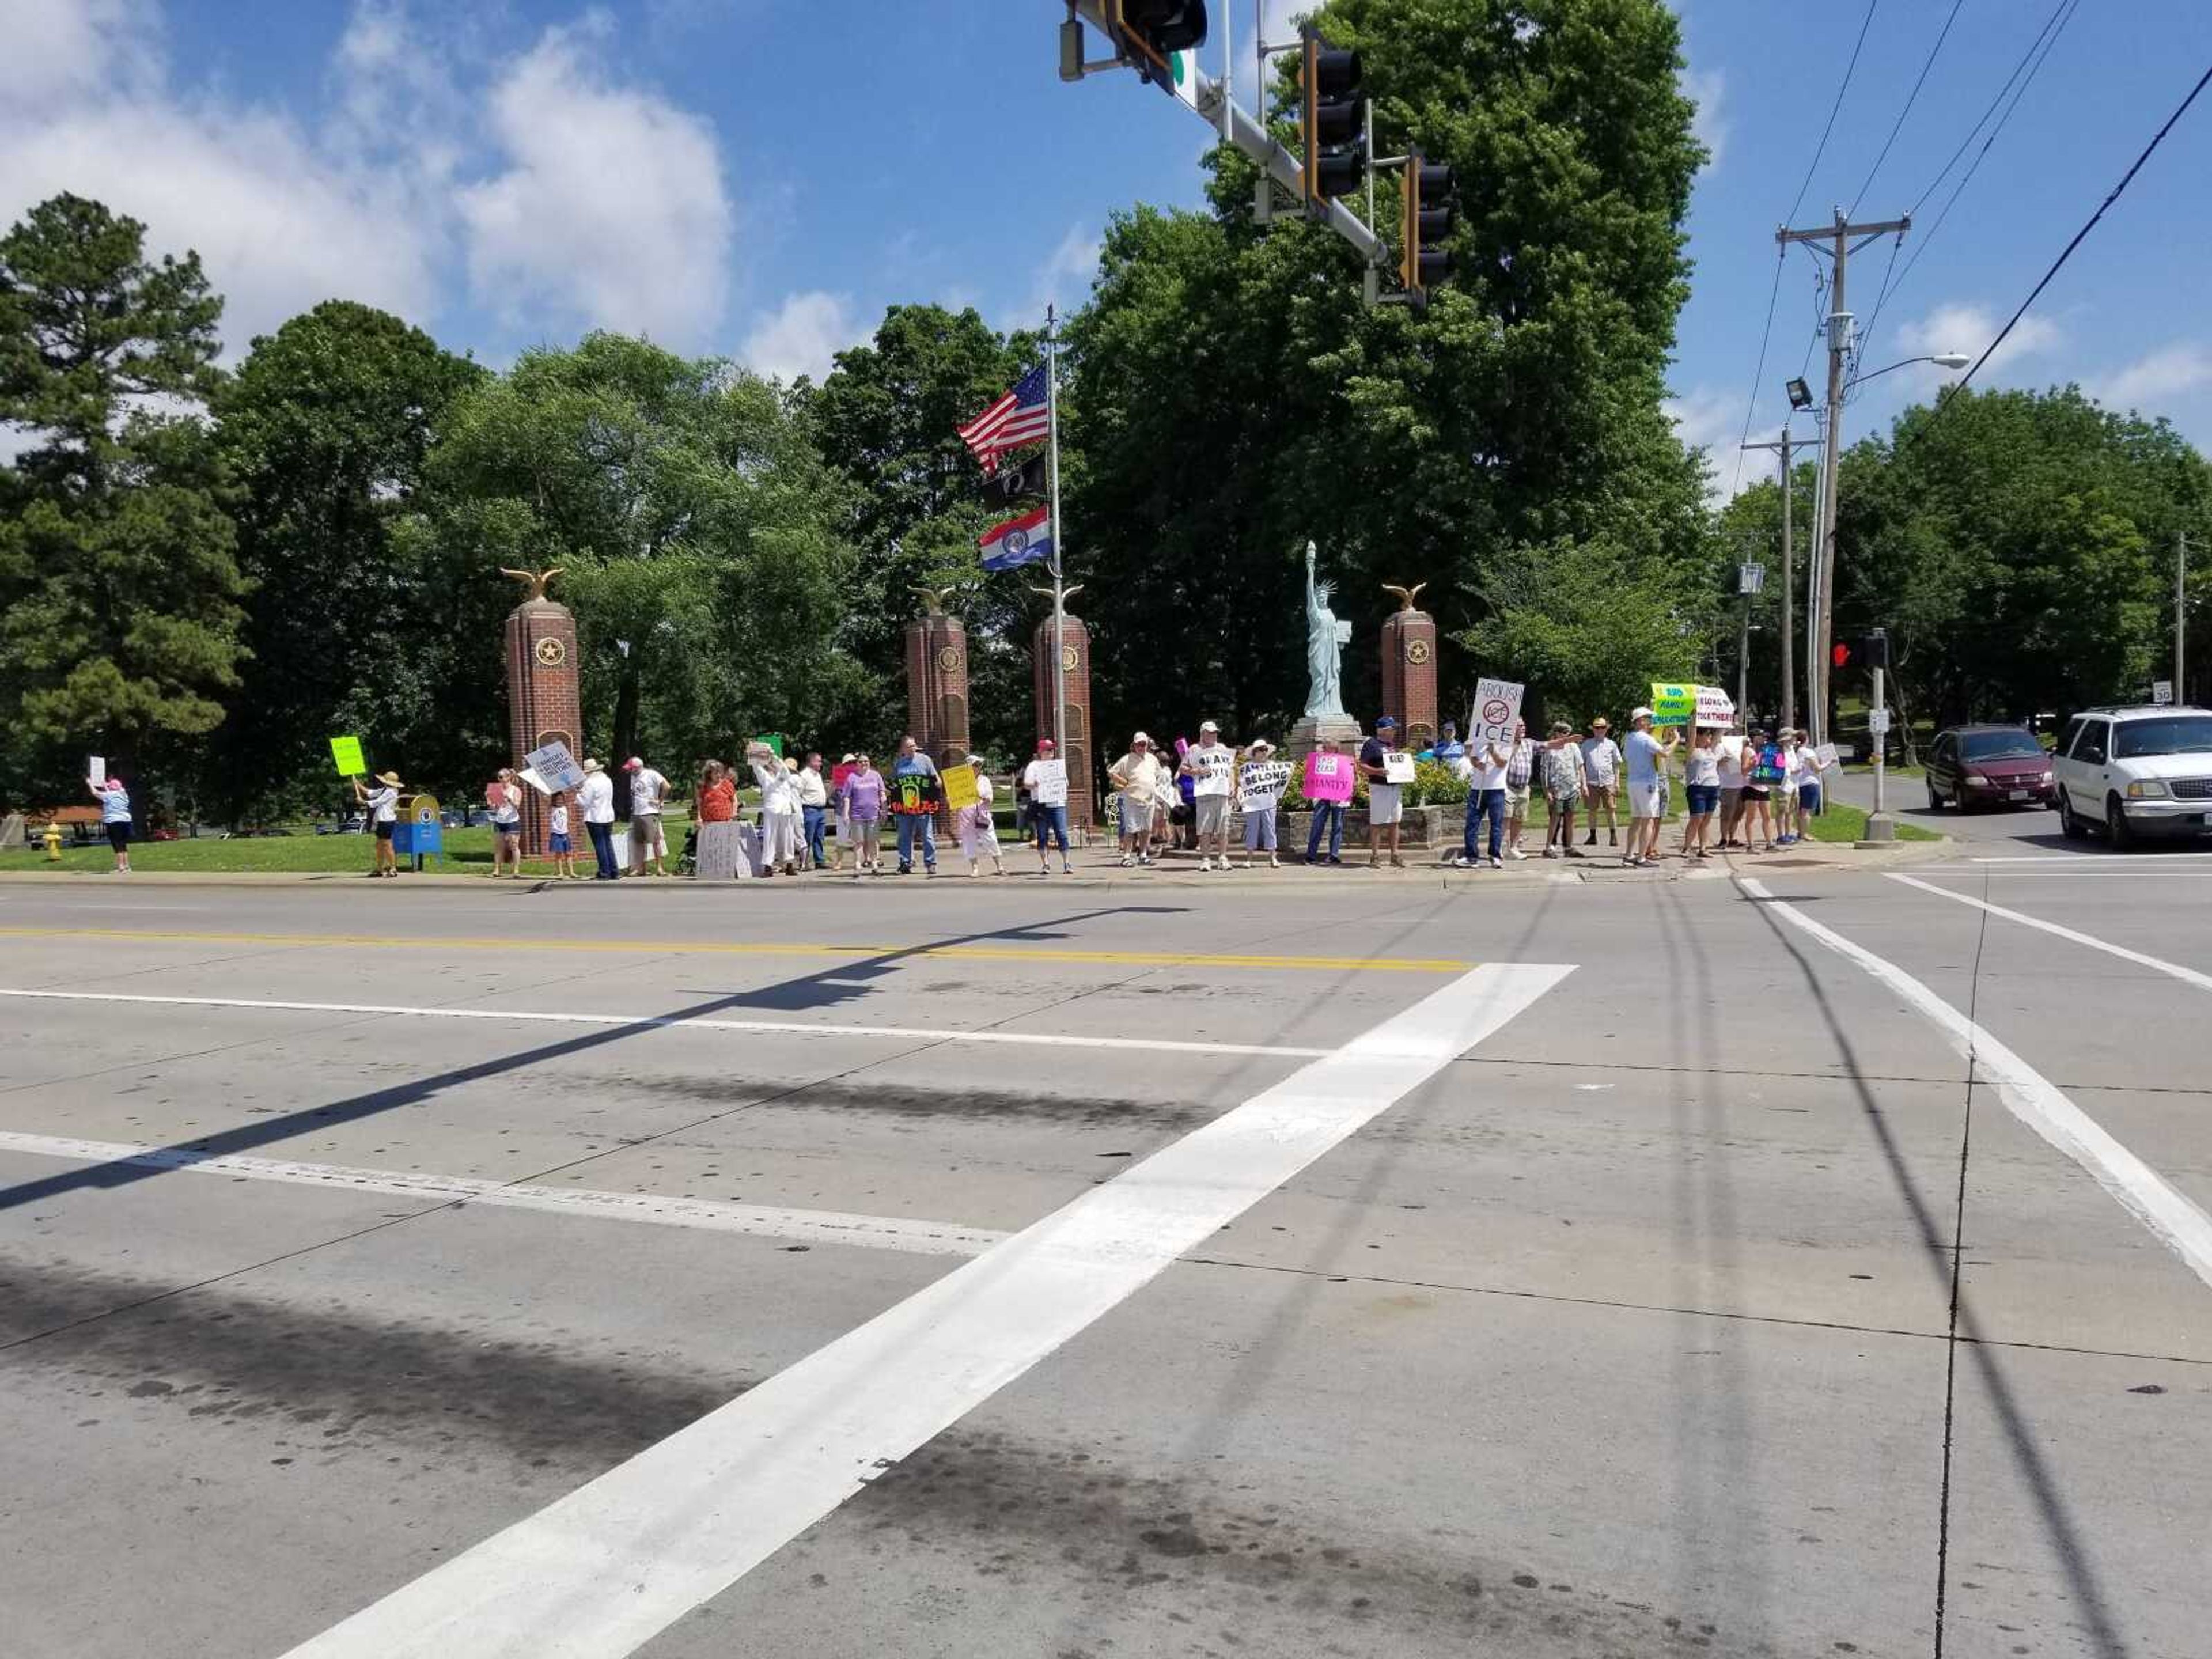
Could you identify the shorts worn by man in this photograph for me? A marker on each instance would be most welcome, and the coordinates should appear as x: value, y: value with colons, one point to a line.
x: 648, y: 790
x: 1211, y: 767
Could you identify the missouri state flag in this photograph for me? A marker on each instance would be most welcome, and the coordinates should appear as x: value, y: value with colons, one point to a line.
x: 1018, y: 541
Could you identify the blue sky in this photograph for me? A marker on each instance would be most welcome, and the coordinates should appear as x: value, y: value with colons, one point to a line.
x: 759, y: 178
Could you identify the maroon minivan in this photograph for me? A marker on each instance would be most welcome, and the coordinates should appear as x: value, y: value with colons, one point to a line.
x: 1989, y: 766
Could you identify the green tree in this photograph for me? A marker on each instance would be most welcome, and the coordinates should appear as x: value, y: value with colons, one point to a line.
x: 120, y: 589
x: 887, y: 417
x: 1234, y: 397
x: 2019, y: 548
x: 695, y: 520
x: 327, y: 427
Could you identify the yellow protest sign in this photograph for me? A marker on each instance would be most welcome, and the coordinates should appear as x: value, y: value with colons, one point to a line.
x: 346, y: 753
x: 960, y: 791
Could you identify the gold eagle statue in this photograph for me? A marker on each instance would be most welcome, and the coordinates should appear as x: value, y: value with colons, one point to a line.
x: 534, y: 580
x: 1405, y: 594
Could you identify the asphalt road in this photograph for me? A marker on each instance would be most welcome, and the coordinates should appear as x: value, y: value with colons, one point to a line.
x: 985, y: 1268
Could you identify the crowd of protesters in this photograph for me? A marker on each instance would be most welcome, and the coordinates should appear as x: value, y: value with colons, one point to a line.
x: 1743, y: 790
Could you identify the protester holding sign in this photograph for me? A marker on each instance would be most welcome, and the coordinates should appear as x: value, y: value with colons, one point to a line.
x: 1563, y: 791
x: 1701, y: 786
x: 114, y: 815
x: 1729, y: 750
x: 1328, y: 785
x: 1647, y: 787
x: 1259, y: 794
x: 1138, y: 775
x: 503, y: 795
x: 974, y: 824
x: 1211, y: 766
x: 916, y: 794
x: 1045, y: 779
x: 383, y: 806
x: 1385, y: 807
x: 1486, y: 800
x: 1763, y: 769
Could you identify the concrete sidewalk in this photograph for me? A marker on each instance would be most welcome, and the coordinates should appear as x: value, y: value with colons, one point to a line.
x: 1176, y: 870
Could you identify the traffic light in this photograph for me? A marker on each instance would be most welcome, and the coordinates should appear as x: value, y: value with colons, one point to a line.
x: 1150, y: 32
x: 1332, y: 119
x: 1423, y: 262
x: 1866, y: 651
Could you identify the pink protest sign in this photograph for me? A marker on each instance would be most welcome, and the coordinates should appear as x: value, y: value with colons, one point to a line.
x: 839, y: 772
x: 1328, y: 777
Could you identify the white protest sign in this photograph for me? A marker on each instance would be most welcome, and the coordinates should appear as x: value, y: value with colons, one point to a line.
x: 554, y: 763
x: 1715, y: 708
x: 1826, y: 754
x: 1213, y: 770
x: 529, y: 775
x: 1049, y: 787
x: 1497, y: 706
x: 1397, y: 766
x: 1261, y: 784
x: 95, y: 769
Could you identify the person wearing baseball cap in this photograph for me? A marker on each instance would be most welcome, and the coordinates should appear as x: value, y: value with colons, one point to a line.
x: 1137, y: 776
x: 1044, y: 781
x: 1647, y: 787
x: 1211, y: 766
x: 1386, y: 808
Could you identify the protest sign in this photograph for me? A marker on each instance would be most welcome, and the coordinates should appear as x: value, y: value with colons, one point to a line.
x: 345, y: 752
x: 1673, y: 705
x: 529, y: 775
x: 1497, y: 706
x: 1261, y: 783
x: 839, y: 772
x: 1397, y: 766
x: 1826, y: 754
x: 774, y: 740
x: 1213, y: 770
x: 1715, y: 707
x: 95, y: 771
x: 1048, y: 785
x: 960, y: 791
x: 1328, y: 777
x: 554, y: 763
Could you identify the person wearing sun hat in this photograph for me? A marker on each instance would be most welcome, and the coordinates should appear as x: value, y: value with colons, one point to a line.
x: 1046, y: 784
x: 383, y: 806
x: 595, y: 798
x: 1260, y: 810
x: 975, y: 826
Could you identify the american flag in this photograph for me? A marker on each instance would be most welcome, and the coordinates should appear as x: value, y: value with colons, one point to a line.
x: 1019, y: 417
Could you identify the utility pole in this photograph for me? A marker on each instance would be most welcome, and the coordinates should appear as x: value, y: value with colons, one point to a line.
x: 1839, y: 244
x: 2180, y: 616
x: 1789, y: 586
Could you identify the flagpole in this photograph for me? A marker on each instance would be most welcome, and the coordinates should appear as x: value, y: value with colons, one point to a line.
x: 1059, y: 589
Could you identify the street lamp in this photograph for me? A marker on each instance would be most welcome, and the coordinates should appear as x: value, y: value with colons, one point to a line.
x: 1941, y: 359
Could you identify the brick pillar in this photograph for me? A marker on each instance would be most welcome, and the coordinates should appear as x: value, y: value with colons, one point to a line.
x: 937, y: 692
x: 543, y: 702
x: 1409, y: 674
x: 1082, y: 802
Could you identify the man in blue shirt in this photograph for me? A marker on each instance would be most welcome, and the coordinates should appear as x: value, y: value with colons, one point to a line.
x: 916, y: 793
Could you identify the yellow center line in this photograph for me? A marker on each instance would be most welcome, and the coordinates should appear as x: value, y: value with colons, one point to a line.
x: 716, y: 947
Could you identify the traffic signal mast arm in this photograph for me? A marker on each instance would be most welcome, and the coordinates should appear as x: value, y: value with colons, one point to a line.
x: 1282, y: 164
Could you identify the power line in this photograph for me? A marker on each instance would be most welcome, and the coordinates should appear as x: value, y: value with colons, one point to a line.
x: 2024, y: 72
x: 2067, y: 252
x: 1751, y: 406
x: 1912, y: 98
x: 1821, y: 147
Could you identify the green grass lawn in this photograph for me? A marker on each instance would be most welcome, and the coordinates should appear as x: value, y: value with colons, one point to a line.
x: 468, y: 852
x: 1847, y: 823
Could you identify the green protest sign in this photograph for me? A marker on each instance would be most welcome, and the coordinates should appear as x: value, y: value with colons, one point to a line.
x: 1673, y: 705
x: 774, y: 740
x: 346, y: 753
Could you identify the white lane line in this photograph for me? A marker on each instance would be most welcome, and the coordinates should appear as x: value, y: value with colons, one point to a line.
x: 790, y: 1027
x: 2188, y: 976
x: 600, y: 1572
x: 2035, y: 1101
x: 815, y: 1226
x: 2090, y: 858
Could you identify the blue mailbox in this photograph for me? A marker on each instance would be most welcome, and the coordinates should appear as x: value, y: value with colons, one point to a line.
x: 420, y: 833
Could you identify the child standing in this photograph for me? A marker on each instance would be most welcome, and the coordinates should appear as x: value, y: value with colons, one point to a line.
x: 978, y: 833
x: 557, y: 842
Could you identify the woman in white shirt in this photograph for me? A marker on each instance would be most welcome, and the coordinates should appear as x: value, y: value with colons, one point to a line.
x: 978, y: 832
x: 1701, y: 769
x: 382, y: 804
x: 780, y: 818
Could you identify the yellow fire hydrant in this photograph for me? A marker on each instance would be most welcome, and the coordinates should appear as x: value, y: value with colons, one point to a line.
x: 53, y: 839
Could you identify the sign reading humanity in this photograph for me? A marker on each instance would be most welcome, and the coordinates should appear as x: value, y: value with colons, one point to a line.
x: 1497, y: 706
x: 1328, y: 777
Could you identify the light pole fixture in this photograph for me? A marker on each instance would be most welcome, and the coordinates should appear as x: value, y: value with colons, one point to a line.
x: 1941, y: 359
x: 1801, y: 395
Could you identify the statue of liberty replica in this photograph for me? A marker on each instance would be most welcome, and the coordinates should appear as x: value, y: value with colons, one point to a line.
x: 1326, y: 716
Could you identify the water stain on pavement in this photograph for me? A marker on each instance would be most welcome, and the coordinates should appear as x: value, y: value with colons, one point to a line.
x: 355, y: 1383
x: 905, y: 1101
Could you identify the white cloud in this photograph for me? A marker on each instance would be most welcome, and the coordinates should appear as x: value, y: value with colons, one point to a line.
x: 1712, y: 420
x: 2172, y: 371
x: 1064, y: 278
x: 1970, y: 328
x: 801, y: 335
x: 1708, y: 88
x: 612, y: 207
x: 280, y: 222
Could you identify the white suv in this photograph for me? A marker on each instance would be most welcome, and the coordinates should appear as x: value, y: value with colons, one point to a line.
x: 2136, y: 771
